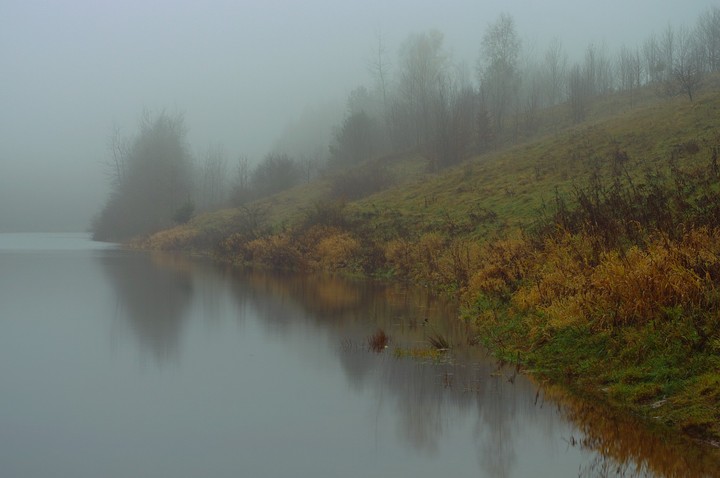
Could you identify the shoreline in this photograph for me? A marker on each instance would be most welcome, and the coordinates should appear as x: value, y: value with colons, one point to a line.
x: 542, y: 367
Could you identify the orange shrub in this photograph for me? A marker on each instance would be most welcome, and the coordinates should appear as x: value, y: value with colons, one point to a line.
x: 434, y: 259
x: 630, y: 288
x: 306, y: 242
x: 699, y: 250
x: 235, y: 247
x: 177, y: 238
x: 337, y: 250
x: 559, y: 275
x: 458, y: 261
x: 568, y: 283
x: 427, y: 254
x: 636, y: 288
x: 502, y: 265
x: 275, y: 251
x: 399, y: 253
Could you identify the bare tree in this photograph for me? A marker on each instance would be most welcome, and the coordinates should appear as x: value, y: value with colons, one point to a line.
x: 652, y: 60
x: 355, y: 141
x: 455, y: 111
x: 598, y: 70
x: 555, y: 72
x: 213, y: 178
x: 531, y: 96
x: 498, y: 68
x: 688, y: 66
x: 708, y: 31
x: 629, y: 71
x: 579, y: 93
x: 485, y: 134
x: 116, y: 163
x: 277, y: 172
x: 309, y: 164
x: 379, y: 67
x: 422, y: 61
x: 667, y: 57
x: 240, y: 189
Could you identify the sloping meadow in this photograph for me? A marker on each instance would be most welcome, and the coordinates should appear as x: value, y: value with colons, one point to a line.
x: 590, y: 256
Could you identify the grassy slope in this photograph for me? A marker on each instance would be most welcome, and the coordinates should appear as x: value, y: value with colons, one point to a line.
x: 653, y: 369
x: 513, y: 183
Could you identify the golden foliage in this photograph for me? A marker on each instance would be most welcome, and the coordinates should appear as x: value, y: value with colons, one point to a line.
x: 434, y: 259
x: 639, y: 286
x: 427, y: 254
x: 337, y: 250
x: 276, y: 251
x: 170, y: 239
x: 399, y: 253
x: 563, y: 282
x: 501, y: 266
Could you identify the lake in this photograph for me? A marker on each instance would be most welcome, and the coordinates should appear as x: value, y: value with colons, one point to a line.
x: 117, y: 363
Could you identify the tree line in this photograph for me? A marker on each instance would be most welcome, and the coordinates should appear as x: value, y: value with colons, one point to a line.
x: 157, y: 182
x: 422, y: 102
x: 448, y: 111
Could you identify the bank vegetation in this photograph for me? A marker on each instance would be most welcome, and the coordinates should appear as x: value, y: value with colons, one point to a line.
x: 585, y: 248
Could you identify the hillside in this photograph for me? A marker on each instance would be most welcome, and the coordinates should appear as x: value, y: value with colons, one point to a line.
x: 589, y: 254
x: 512, y: 183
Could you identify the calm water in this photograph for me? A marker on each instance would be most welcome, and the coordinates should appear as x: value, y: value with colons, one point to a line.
x: 125, y: 364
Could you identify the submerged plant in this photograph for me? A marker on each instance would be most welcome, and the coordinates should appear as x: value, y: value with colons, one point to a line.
x: 418, y: 353
x: 378, y: 341
x: 438, y: 341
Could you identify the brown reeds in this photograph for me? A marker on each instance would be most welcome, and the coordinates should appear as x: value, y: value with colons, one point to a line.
x: 438, y: 341
x: 378, y: 341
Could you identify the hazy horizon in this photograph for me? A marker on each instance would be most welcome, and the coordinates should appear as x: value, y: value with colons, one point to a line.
x: 239, y: 71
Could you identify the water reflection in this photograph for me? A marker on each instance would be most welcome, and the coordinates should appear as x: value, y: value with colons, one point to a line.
x: 153, y: 294
x: 430, y: 399
x: 514, y: 422
x: 627, y: 449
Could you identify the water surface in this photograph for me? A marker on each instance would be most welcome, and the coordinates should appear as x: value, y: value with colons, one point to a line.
x: 116, y: 363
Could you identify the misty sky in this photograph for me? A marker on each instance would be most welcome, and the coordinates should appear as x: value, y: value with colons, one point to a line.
x: 239, y: 70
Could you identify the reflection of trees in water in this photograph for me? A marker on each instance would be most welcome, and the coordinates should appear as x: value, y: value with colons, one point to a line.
x: 153, y: 293
x: 498, y: 424
x: 428, y: 398
x: 631, y: 450
x: 419, y: 401
x: 353, y: 309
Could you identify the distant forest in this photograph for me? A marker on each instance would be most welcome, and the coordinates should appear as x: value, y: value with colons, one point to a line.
x: 420, y: 103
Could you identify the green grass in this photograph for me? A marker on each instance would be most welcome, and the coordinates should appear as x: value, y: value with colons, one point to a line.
x: 662, y: 370
x: 515, y: 182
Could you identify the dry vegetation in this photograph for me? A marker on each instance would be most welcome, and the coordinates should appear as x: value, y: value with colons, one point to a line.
x: 592, y: 253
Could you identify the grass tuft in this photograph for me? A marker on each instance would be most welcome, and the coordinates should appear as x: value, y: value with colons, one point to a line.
x: 438, y: 341
x: 378, y: 341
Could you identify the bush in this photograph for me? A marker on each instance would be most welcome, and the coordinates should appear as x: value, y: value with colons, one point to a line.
x: 184, y: 213
x: 399, y: 254
x: 276, y: 251
x: 326, y: 213
x: 561, y: 281
x: 503, y: 264
x: 338, y: 250
x: 361, y: 182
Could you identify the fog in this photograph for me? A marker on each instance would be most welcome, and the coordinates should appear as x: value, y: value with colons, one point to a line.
x: 243, y: 73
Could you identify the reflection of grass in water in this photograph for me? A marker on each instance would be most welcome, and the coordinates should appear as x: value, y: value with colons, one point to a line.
x: 624, y: 447
x: 438, y: 341
x: 418, y: 353
x: 378, y: 341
